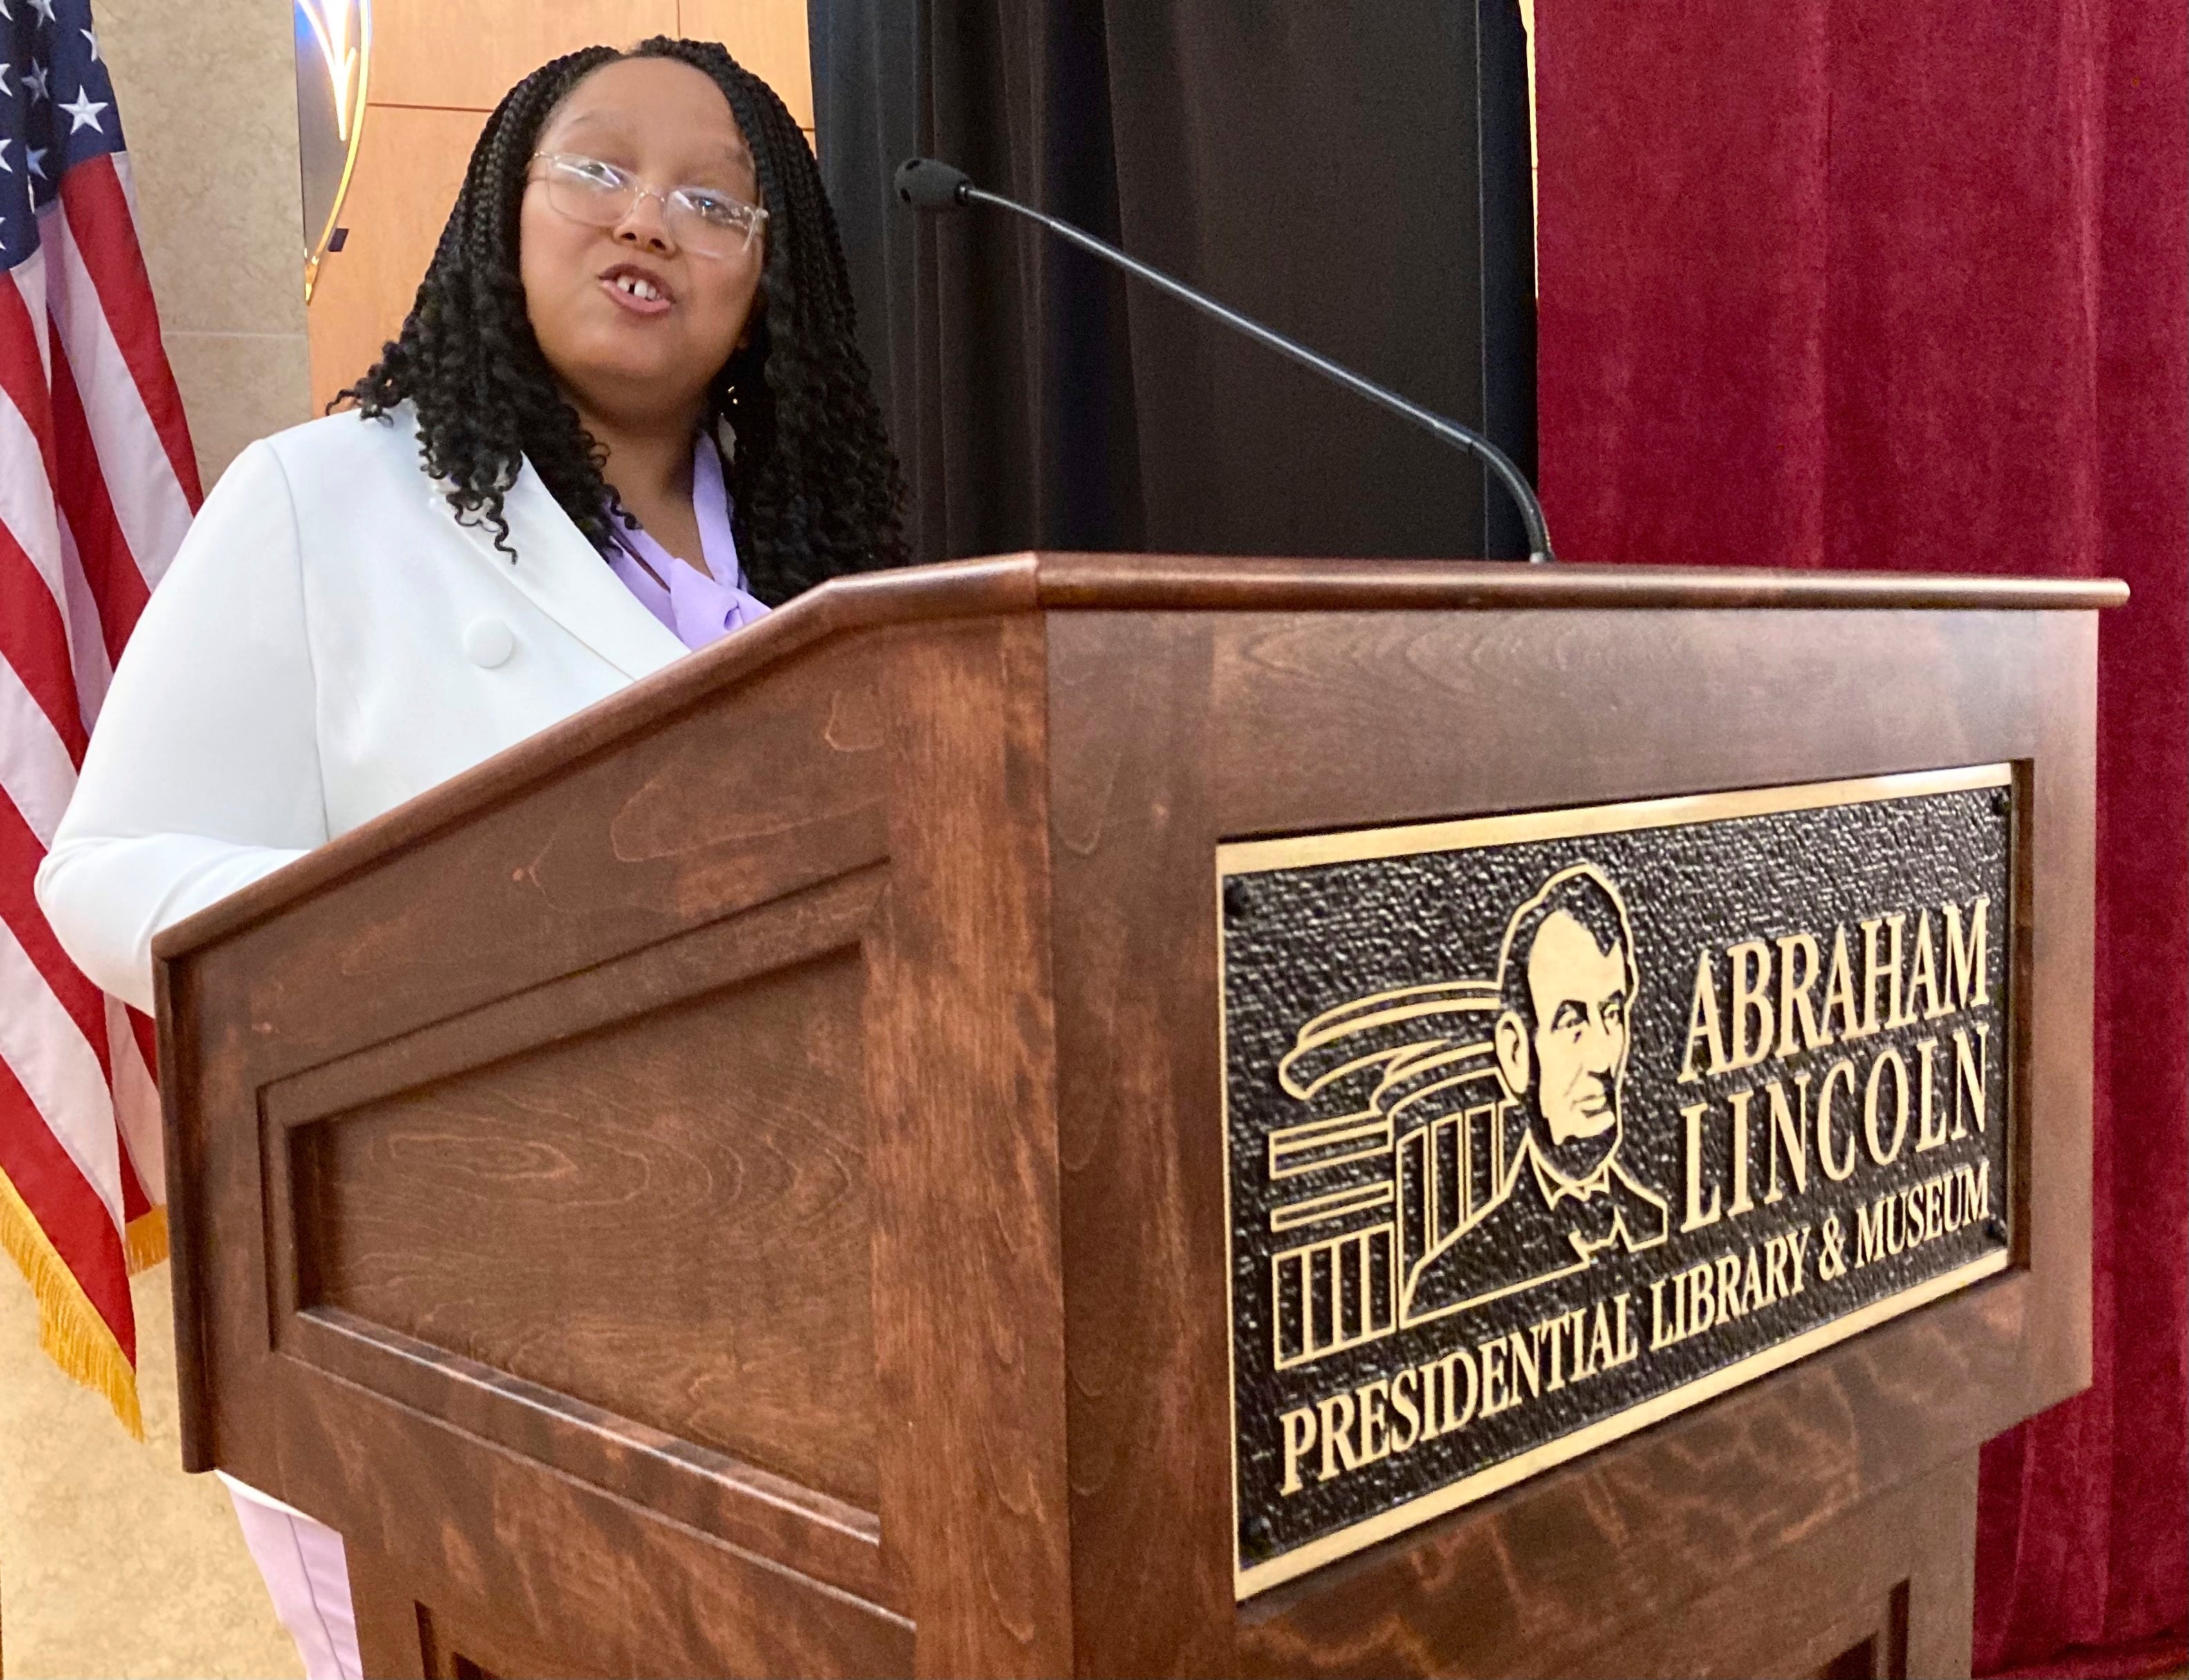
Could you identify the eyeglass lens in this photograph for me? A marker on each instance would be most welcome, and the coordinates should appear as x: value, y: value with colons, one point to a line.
x: 702, y: 219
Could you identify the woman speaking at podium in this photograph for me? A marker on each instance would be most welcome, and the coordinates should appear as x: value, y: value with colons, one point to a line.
x: 625, y: 415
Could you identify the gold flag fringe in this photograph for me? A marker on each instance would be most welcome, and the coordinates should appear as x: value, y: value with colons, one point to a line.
x: 145, y: 1242
x: 70, y: 1329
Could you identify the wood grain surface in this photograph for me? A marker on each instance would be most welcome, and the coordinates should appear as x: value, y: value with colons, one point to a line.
x: 961, y: 1071
x: 666, y: 1219
x: 734, y: 1184
x: 1189, y: 727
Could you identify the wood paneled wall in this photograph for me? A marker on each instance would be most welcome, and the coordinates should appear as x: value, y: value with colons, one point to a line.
x: 438, y: 68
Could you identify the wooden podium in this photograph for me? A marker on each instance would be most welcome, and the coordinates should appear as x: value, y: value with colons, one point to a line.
x: 737, y: 1183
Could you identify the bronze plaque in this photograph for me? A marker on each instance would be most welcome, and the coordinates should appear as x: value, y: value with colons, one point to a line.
x: 1540, y: 1129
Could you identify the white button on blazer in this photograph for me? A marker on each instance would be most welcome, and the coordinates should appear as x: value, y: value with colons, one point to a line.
x: 328, y: 643
x: 487, y: 642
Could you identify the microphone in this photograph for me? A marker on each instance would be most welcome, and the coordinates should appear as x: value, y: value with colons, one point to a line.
x: 926, y: 185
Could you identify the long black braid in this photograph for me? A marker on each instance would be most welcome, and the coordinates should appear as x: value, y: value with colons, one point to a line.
x: 816, y: 488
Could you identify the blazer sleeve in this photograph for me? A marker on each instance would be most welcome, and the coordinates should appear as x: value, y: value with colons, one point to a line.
x: 203, y: 772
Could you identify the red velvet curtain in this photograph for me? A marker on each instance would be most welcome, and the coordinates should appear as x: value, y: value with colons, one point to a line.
x: 1905, y: 283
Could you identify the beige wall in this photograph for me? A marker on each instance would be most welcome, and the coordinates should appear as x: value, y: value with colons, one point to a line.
x: 112, y: 1561
x: 207, y: 93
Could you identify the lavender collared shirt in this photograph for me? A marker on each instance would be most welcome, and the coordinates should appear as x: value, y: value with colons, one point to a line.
x: 696, y: 607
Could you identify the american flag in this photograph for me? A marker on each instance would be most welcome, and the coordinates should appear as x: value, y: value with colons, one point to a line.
x: 97, y: 485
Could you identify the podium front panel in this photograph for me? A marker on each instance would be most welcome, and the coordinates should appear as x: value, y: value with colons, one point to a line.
x: 1201, y: 732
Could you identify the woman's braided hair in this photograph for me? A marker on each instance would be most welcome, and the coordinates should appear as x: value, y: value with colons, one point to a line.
x: 816, y: 488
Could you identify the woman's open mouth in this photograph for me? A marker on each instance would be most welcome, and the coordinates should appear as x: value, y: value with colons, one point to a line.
x: 634, y: 289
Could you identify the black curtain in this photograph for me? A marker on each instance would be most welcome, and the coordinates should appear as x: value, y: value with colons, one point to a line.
x: 1356, y: 176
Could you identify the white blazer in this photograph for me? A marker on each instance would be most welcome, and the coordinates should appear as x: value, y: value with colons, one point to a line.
x: 328, y: 643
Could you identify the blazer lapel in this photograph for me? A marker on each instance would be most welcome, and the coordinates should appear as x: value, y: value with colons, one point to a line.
x: 564, y: 576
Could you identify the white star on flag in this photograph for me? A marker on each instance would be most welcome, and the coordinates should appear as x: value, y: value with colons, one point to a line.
x: 6, y: 167
x: 94, y: 39
x: 6, y: 16
x: 34, y: 78
x: 84, y: 113
x: 45, y: 9
x: 4, y: 87
x: 38, y: 160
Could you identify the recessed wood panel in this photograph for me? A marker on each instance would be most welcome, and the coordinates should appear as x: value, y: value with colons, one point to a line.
x: 666, y: 1219
x: 409, y: 164
x: 766, y: 36
x: 469, y: 53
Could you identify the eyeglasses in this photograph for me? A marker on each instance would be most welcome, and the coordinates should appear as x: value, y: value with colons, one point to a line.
x: 704, y: 220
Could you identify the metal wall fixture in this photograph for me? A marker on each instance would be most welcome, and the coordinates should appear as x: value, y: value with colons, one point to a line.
x: 334, y: 61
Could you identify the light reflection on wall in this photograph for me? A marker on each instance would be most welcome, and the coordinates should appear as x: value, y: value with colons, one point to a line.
x: 334, y: 62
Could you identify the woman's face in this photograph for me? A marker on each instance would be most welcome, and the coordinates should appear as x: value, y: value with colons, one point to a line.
x: 618, y: 353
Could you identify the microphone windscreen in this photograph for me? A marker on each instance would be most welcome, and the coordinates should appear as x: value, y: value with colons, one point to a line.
x: 925, y: 184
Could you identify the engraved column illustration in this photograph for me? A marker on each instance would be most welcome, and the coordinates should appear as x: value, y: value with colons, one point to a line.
x: 1478, y: 1156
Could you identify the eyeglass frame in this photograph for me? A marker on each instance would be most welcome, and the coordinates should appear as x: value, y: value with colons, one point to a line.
x: 754, y: 226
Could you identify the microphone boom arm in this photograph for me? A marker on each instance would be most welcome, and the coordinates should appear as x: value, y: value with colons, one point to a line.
x: 1531, y: 510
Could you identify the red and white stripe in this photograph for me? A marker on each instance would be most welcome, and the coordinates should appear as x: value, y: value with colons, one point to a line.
x: 98, y: 483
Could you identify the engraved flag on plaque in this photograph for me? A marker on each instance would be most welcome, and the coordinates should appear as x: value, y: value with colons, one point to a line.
x: 1540, y: 1127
